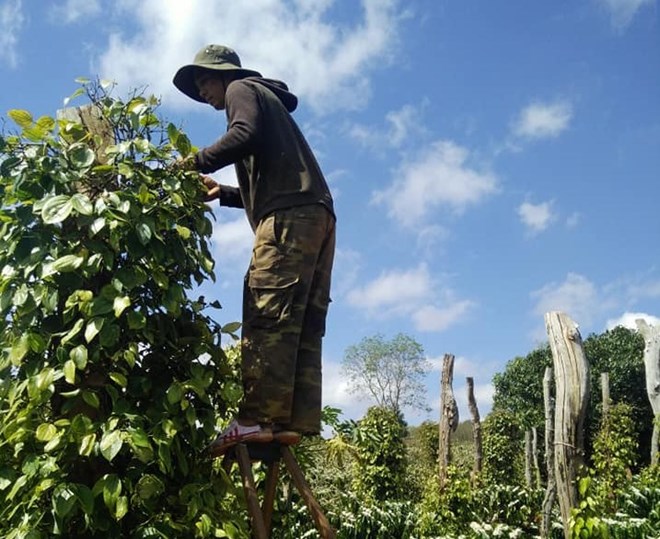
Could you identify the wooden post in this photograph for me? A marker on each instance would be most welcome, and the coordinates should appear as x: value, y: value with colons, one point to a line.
x: 651, y: 336
x: 551, y: 486
x: 322, y: 525
x: 476, y: 428
x: 528, y: 458
x: 605, y: 393
x: 448, y: 418
x: 572, y: 393
x: 535, y: 458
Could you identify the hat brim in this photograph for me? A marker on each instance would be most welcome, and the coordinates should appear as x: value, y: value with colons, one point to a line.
x: 184, y: 79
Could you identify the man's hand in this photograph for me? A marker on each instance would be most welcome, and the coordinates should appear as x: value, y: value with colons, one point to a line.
x: 184, y: 163
x: 212, y: 188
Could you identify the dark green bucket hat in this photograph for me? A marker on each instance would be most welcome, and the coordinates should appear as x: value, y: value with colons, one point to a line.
x: 209, y: 58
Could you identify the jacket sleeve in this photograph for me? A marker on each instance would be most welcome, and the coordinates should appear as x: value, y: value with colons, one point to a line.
x: 243, y: 130
x: 230, y: 196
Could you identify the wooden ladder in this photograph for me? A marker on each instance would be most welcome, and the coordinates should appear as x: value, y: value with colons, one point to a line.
x: 261, y: 513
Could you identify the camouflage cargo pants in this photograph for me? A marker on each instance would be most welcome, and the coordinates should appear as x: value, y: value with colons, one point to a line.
x: 285, y: 302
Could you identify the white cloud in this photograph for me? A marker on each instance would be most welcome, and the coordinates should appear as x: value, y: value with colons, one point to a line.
x: 536, y: 217
x: 622, y: 12
x: 543, y: 120
x: 401, y: 126
x: 627, y: 320
x: 432, y: 318
x: 325, y: 63
x: 576, y: 296
x: 11, y: 23
x: 414, y: 294
x: 232, y: 242
x: 393, y: 292
x: 74, y: 10
x: 438, y: 176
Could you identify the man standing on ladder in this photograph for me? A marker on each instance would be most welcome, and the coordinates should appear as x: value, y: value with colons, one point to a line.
x: 290, y: 209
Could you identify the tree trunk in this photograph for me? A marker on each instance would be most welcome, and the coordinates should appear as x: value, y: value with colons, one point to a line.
x: 651, y: 336
x: 535, y: 458
x: 528, y: 458
x: 476, y: 428
x: 605, y: 393
x: 448, y: 418
x: 551, y: 487
x: 572, y: 385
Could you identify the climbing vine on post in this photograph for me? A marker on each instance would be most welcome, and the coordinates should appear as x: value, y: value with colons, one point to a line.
x: 111, y: 375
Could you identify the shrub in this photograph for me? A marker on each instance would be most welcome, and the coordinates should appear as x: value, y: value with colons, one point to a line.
x: 110, y: 374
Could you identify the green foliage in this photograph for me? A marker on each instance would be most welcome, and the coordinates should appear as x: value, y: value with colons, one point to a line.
x: 380, y: 454
x: 619, y: 352
x: 502, y: 449
x: 519, y: 389
x: 110, y: 374
x: 391, y: 373
x: 615, y: 454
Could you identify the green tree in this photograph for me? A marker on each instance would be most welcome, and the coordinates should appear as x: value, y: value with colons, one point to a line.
x: 503, y: 449
x: 620, y: 352
x: 391, y: 373
x: 519, y: 389
x: 380, y: 454
x: 111, y: 376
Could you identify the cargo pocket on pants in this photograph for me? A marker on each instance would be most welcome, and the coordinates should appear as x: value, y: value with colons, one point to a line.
x: 270, y: 298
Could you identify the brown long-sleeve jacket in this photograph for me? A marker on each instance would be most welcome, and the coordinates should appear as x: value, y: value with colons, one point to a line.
x: 275, y: 166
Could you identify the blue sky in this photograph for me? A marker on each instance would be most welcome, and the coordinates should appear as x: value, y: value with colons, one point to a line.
x: 490, y: 161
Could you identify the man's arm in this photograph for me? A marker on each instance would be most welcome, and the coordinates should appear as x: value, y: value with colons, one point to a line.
x: 228, y: 194
x: 243, y: 130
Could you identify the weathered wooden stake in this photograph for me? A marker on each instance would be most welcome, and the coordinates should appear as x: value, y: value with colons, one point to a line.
x: 448, y: 418
x: 572, y: 393
x: 551, y: 487
x: 528, y: 458
x: 476, y: 428
x: 605, y: 393
x: 535, y: 457
x: 651, y: 336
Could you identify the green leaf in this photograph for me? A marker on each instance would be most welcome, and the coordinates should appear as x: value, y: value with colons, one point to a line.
x: 175, y: 392
x: 87, y: 445
x: 91, y: 398
x: 119, y: 379
x: 46, y: 432
x: 85, y: 498
x: 67, y: 263
x: 183, y: 231
x: 231, y: 327
x: 149, y: 486
x: 182, y: 144
x: 82, y: 204
x: 81, y: 155
x: 136, y: 320
x: 73, y: 331
x: 93, y: 327
x: 19, y: 350
x: 70, y: 371
x: 46, y: 123
x: 122, y: 507
x: 79, y: 356
x: 111, y: 443
x: 111, y: 491
x: 56, y: 209
x: 144, y: 233
x: 64, y: 500
x: 22, y: 117
x: 120, y: 304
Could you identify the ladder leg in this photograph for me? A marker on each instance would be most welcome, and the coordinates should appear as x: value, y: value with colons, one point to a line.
x: 258, y: 526
x: 322, y: 524
x: 272, y: 475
